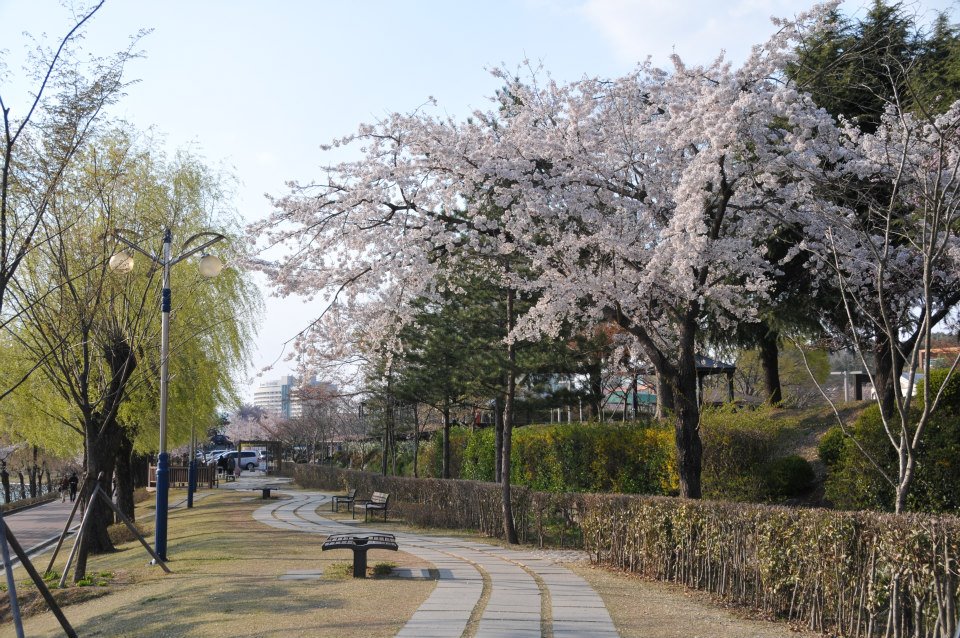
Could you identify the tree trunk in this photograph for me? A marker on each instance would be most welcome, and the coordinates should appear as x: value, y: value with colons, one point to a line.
x: 124, y: 474
x: 385, y: 444
x: 35, y: 475
x: 498, y: 440
x: 102, y: 442
x: 5, y: 481
x: 594, y: 372
x: 509, y: 529
x: 888, y: 366
x: 769, y: 351
x: 687, y: 421
x: 446, y: 441
x: 416, y: 441
x: 666, y: 401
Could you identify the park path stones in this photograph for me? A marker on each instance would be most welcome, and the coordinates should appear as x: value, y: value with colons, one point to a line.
x: 514, y: 606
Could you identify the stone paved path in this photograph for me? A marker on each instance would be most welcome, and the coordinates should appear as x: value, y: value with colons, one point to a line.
x: 517, y: 582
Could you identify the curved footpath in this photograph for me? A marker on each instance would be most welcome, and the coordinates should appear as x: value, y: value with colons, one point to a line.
x: 519, y: 582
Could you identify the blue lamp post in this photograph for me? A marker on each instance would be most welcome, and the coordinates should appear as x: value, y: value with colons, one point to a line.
x: 210, y: 266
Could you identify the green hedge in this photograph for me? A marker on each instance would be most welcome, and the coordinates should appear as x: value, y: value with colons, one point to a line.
x: 853, y: 482
x: 741, y: 460
x: 854, y: 574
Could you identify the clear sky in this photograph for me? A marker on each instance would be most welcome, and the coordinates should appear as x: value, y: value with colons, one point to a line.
x: 256, y: 86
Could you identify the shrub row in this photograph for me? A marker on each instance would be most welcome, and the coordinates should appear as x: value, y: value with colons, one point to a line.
x: 852, y: 574
x: 581, y: 458
x: 742, y: 457
x: 855, y: 574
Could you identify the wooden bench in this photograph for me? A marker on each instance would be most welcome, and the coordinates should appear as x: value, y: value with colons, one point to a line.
x: 348, y: 499
x: 360, y: 545
x: 378, y: 501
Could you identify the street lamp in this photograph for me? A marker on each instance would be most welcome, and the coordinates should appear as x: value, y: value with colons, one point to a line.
x: 210, y: 266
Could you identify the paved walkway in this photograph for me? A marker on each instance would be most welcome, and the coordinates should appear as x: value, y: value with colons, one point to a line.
x: 35, y: 526
x: 520, y: 585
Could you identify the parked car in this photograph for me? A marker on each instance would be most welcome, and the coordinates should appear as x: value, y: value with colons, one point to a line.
x: 213, y: 455
x: 249, y: 459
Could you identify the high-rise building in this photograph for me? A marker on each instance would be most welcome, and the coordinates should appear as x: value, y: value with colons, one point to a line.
x: 277, y: 397
x: 281, y: 397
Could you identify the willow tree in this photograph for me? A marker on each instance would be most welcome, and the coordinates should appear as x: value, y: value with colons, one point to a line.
x: 42, y: 134
x: 101, y: 329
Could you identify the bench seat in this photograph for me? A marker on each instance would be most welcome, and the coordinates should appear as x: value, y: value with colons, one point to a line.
x: 379, y: 501
x: 360, y: 545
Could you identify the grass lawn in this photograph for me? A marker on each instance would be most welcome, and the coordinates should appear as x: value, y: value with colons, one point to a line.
x: 226, y: 581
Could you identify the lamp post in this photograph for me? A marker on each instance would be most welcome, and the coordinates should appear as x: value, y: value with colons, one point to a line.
x: 210, y: 266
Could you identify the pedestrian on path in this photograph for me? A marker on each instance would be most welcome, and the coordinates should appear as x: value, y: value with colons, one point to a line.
x: 74, y: 481
x: 64, y: 487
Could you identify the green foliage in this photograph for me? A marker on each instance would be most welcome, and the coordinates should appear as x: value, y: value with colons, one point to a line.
x: 861, y: 65
x: 855, y: 483
x: 479, y: 456
x: 383, y: 569
x: 789, y: 477
x: 741, y: 448
x: 102, y: 315
x: 431, y: 453
x: 831, y: 445
x: 99, y: 579
x: 632, y: 458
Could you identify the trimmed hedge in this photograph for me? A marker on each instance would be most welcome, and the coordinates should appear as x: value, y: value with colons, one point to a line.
x: 850, y: 573
x: 741, y: 459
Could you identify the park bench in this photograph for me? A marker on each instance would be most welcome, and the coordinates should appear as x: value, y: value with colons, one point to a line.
x: 360, y: 545
x: 348, y: 499
x: 378, y: 501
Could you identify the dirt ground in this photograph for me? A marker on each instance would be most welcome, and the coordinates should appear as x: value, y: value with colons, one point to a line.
x: 644, y: 609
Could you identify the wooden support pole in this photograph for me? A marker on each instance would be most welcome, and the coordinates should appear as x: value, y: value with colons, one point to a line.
x: 133, y: 530
x: 79, y: 539
x: 66, y: 528
x: 41, y: 586
x: 11, y: 582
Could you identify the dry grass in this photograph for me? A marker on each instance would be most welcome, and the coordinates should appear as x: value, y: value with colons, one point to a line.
x: 646, y: 609
x: 226, y: 568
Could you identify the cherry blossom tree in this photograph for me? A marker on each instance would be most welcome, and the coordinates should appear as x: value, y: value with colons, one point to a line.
x: 376, y: 234
x: 643, y: 200
x: 892, y: 249
x: 646, y: 201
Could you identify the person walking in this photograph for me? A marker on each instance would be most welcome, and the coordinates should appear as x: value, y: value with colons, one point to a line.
x: 74, y: 481
x: 64, y: 488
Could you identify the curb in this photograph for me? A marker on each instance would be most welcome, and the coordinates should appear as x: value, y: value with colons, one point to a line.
x: 36, y: 502
x: 38, y: 548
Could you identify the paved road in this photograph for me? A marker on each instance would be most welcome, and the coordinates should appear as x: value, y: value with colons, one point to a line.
x: 518, y: 582
x: 38, y: 524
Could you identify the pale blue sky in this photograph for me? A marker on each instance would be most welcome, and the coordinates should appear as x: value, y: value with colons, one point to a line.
x: 258, y: 85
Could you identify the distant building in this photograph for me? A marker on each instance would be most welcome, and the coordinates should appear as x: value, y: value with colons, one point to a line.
x: 277, y: 397
x: 281, y: 397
